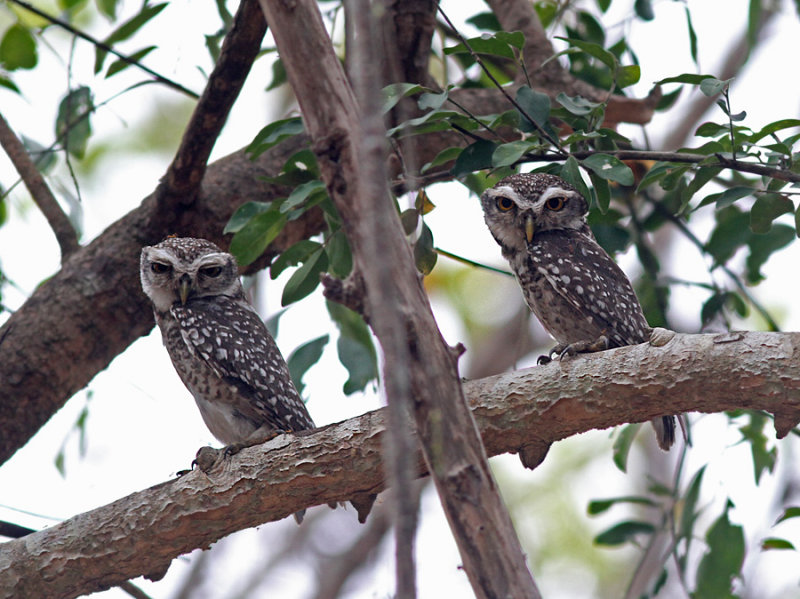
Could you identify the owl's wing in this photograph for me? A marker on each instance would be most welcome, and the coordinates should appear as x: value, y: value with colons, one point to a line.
x: 235, y: 343
x: 588, y: 279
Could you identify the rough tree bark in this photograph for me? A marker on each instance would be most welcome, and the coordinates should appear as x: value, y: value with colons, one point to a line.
x: 706, y: 373
x: 423, y: 374
x: 92, y: 309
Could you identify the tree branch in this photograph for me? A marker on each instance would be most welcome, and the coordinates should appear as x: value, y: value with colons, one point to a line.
x: 142, y: 533
x: 239, y: 49
x: 64, y: 231
x: 405, y: 327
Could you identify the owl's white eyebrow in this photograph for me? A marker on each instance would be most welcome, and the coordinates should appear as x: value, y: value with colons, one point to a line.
x: 503, y: 191
x: 555, y: 192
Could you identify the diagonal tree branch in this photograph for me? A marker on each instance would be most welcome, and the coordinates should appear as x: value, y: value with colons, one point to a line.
x: 142, y: 533
x: 64, y: 231
x: 425, y: 375
x: 239, y: 49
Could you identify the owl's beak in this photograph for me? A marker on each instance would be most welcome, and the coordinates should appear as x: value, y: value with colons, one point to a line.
x: 529, y: 227
x: 184, y: 287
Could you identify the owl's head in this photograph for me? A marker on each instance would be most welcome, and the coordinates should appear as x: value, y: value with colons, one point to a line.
x: 180, y: 269
x: 521, y: 206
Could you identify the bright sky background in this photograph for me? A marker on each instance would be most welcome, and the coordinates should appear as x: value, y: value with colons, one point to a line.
x: 143, y: 425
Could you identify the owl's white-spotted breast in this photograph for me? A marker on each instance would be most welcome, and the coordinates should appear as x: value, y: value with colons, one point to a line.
x: 575, y: 289
x: 218, y: 344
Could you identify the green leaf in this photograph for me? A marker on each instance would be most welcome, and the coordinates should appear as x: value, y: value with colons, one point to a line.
x: 762, y: 246
x: 595, y: 50
x: 601, y: 191
x: 251, y: 240
x: 18, y: 49
x: 788, y: 514
x: 773, y: 128
x: 126, y: 30
x: 628, y: 75
x: 731, y: 232
x: 578, y: 105
x: 623, y: 532
x: 303, y: 192
x: 688, y: 505
x: 753, y: 433
x: 432, y: 101
x: 766, y: 209
x: 537, y: 107
x: 303, y: 358
x: 424, y: 254
x: 610, y: 168
x: 395, y: 92
x: 293, y: 256
x: 279, y: 76
x: 690, y: 78
x: 244, y: 214
x: 509, y: 153
x: 692, y: 36
x: 273, y: 134
x: 713, y: 86
x: 571, y: 173
x: 723, y: 560
x: 776, y: 543
x: 623, y: 444
x: 644, y: 10
x: 120, y: 65
x: 727, y: 197
x: 340, y: 258
x: 108, y: 8
x: 598, y: 506
x: 355, y: 348
x: 475, y: 156
x: 500, y: 44
x: 305, y: 279
x: 73, y: 125
x: 443, y: 157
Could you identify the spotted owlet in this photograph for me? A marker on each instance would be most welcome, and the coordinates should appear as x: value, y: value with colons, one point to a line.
x: 218, y: 344
x: 578, y: 293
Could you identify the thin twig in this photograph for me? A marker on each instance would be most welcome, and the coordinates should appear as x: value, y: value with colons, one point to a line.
x: 682, y: 157
x: 64, y: 231
x: 103, y: 46
x: 469, y: 262
x: 563, y: 153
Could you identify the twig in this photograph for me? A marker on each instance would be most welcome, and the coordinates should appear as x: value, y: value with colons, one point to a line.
x: 106, y: 47
x: 399, y: 443
x: 40, y: 192
x: 562, y: 153
x: 469, y: 262
x: 239, y: 50
x: 683, y: 157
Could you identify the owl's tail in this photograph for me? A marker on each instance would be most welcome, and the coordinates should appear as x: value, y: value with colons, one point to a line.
x: 665, y: 431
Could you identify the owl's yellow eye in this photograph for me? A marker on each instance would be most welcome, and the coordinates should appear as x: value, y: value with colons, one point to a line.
x: 159, y: 268
x: 504, y: 204
x: 555, y: 204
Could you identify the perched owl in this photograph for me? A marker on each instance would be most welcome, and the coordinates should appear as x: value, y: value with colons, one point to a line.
x: 580, y: 295
x: 219, y: 345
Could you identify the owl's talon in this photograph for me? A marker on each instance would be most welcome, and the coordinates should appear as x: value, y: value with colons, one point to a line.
x: 543, y: 359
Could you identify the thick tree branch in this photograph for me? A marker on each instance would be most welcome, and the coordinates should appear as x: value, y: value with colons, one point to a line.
x: 142, y: 533
x: 64, y: 231
x: 93, y: 308
x: 239, y: 49
x: 404, y: 325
